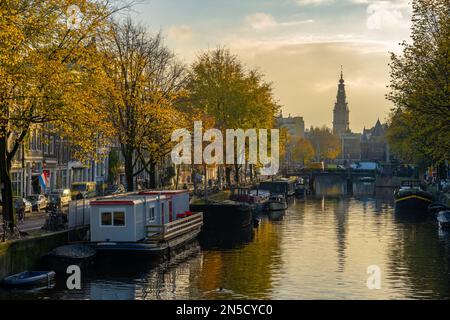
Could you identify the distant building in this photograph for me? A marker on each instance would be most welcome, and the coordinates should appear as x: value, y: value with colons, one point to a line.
x: 296, y: 129
x: 374, y: 146
x: 341, y: 112
x: 351, y: 147
x: 294, y: 125
x: 371, y: 145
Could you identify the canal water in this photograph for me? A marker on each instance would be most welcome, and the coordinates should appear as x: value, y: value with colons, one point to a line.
x: 320, y: 249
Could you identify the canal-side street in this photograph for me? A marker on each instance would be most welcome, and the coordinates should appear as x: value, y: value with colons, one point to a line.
x: 320, y: 249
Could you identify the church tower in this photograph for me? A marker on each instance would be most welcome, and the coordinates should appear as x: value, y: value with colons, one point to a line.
x: 341, y: 121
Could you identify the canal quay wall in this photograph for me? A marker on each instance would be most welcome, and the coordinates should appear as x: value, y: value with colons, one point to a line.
x: 25, y: 254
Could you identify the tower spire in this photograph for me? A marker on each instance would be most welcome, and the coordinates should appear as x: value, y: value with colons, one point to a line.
x: 341, y: 123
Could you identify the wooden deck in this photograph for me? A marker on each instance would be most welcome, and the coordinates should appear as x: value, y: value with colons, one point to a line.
x: 163, y: 233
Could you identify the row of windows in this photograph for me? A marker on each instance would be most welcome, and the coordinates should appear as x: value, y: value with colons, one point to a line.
x: 113, y: 219
x: 117, y: 218
x: 49, y: 148
x: 36, y: 143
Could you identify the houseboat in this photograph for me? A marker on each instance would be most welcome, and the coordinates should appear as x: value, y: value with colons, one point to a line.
x: 256, y: 198
x: 277, y: 203
x: 411, y: 198
x: 300, y: 188
x: 143, y: 223
x: 283, y: 187
x: 224, y: 215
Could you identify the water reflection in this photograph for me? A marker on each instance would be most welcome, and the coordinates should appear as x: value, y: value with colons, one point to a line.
x: 224, y: 239
x: 319, y: 250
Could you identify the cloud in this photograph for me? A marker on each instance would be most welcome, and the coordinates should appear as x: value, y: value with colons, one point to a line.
x: 387, y: 15
x: 312, y: 2
x: 261, y: 21
x: 264, y: 21
x: 181, y: 33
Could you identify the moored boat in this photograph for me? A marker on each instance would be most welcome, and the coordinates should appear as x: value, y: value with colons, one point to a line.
x: 277, y: 203
x: 437, y: 207
x: 283, y: 186
x: 257, y: 199
x: 411, y: 198
x: 276, y: 215
x: 444, y: 219
x: 300, y: 188
x: 73, y: 254
x: 367, y: 180
x: 224, y: 215
x: 143, y: 224
x: 29, y: 279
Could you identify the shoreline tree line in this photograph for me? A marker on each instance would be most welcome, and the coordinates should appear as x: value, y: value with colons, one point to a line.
x: 107, y: 81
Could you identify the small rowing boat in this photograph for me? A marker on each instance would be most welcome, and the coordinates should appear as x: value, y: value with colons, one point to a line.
x: 29, y: 278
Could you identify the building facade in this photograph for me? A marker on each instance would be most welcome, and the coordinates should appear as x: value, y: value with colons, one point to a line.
x: 45, y: 153
x: 295, y: 127
x: 374, y: 146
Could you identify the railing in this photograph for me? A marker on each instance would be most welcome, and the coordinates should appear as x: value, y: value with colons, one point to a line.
x: 160, y: 233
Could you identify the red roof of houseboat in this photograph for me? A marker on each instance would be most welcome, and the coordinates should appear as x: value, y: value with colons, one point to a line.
x: 163, y: 192
x: 112, y: 203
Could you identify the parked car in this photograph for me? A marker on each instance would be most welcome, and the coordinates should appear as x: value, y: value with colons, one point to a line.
x: 38, y: 201
x: 60, y: 197
x: 116, y: 189
x: 81, y: 190
x: 27, y: 206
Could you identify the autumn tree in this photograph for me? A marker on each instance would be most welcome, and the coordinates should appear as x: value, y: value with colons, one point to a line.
x: 145, y: 82
x: 48, y: 74
x: 301, y: 150
x: 327, y: 146
x: 237, y: 97
x: 420, y: 88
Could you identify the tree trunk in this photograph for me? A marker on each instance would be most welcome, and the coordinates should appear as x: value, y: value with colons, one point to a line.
x: 205, y: 186
x: 178, y: 176
x: 6, y: 186
x: 219, y: 176
x: 236, y: 173
x: 228, y: 176
x: 152, y: 174
x: 129, y: 174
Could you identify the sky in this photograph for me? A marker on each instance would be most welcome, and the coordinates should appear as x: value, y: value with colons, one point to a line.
x: 299, y: 45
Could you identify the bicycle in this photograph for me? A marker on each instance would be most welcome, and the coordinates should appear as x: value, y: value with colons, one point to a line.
x: 8, y: 234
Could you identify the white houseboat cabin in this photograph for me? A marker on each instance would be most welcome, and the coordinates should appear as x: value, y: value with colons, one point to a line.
x: 125, y: 219
x: 150, y: 221
x: 178, y: 201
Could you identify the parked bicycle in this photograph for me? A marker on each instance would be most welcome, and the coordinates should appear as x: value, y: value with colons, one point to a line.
x: 56, y: 220
x: 10, y: 234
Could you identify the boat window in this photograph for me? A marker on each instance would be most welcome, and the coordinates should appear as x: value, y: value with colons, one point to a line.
x: 106, y: 218
x: 151, y: 214
x: 119, y: 218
